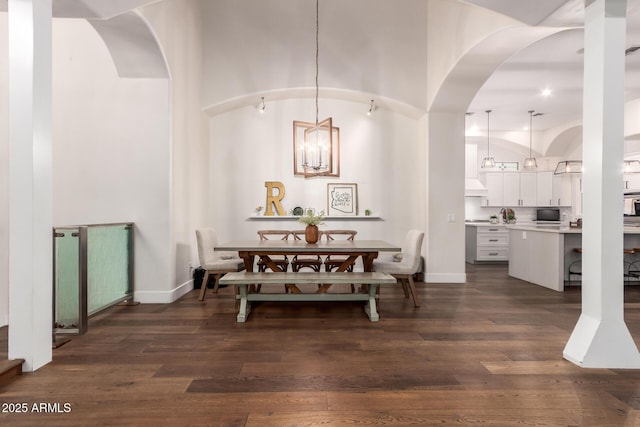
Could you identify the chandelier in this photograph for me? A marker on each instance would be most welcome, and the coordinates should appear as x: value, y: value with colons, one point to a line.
x: 316, y: 144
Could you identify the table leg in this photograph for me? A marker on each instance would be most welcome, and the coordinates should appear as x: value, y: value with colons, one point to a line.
x: 248, y: 259
x: 367, y: 260
x: 324, y: 288
x: 370, y: 306
x: 243, y: 311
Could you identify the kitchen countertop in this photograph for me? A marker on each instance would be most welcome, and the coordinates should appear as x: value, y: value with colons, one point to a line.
x: 482, y: 223
x: 561, y: 229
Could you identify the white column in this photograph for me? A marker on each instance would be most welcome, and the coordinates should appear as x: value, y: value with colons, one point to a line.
x: 601, y: 338
x: 445, y: 157
x: 30, y: 188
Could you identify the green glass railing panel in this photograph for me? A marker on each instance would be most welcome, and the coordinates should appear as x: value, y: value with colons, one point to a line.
x: 67, y: 278
x: 108, y: 266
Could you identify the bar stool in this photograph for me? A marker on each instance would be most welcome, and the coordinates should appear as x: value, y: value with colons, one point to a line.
x: 575, y: 268
x: 634, y: 267
x: 629, y: 270
x: 627, y: 265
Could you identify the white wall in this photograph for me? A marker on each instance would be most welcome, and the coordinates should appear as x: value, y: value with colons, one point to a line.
x: 178, y: 27
x: 4, y: 171
x: 378, y: 152
x: 111, y: 151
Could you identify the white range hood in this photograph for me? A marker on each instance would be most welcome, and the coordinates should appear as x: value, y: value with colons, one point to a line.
x: 472, y: 185
x: 474, y: 188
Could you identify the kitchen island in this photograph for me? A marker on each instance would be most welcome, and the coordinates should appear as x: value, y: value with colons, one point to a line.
x: 541, y: 254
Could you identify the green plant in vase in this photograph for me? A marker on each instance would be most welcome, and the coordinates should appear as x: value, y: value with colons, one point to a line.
x: 312, y: 220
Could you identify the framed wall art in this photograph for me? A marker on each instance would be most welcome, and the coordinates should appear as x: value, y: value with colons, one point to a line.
x: 342, y: 199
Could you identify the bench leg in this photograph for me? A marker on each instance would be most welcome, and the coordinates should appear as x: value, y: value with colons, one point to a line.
x: 243, y: 311
x: 370, y: 306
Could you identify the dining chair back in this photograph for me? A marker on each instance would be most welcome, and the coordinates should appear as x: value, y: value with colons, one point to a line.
x: 314, y: 262
x: 215, y: 263
x: 280, y: 260
x: 332, y: 262
x: 274, y: 234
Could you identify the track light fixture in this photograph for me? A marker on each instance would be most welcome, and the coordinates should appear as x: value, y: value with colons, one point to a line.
x: 372, y: 108
x: 261, y: 105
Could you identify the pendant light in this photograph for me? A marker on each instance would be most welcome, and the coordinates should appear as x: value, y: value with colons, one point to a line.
x: 488, y: 162
x: 316, y: 141
x: 530, y: 162
x: 568, y: 166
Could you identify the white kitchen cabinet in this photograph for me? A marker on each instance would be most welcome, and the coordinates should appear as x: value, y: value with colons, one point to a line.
x: 494, y: 183
x: 486, y: 243
x: 511, y: 189
x: 528, y: 188
x: 553, y: 190
x: 544, y: 190
x: 561, y: 189
x: 632, y: 181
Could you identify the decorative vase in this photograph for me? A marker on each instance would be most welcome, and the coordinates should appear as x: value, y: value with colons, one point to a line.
x: 311, y: 233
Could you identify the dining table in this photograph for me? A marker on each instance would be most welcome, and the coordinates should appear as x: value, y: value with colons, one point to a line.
x: 367, y: 250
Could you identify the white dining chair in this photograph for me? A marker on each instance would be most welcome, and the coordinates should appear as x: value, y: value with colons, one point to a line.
x: 215, y: 263
x: 405, y: 264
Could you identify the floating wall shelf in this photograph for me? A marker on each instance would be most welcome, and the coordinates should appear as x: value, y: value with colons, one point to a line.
x: 326, y: 218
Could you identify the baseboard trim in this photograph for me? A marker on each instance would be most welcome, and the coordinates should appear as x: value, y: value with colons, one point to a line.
x: 163, y: 297
x: 445, y: 277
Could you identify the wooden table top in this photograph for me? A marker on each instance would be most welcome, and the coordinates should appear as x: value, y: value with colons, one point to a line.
x: 300, y: 246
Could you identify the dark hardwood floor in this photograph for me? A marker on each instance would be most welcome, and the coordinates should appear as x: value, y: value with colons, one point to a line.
x: 488, y: 352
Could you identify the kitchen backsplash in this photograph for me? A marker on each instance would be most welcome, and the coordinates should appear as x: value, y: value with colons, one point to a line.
x: 474, y: 211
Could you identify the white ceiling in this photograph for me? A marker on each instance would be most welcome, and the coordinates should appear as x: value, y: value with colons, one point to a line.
x: 553, y: 63
x: 90, y: 9
x: 515, y: 87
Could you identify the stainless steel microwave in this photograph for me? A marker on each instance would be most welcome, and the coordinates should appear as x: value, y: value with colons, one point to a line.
x: 548, y: 215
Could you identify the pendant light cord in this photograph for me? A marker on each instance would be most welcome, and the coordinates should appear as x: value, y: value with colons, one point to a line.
x: 317, y: 53
x: 530, y: 131
x: 488, y: 112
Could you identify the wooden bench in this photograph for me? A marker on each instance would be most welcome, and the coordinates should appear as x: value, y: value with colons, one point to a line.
x: 244, y: 278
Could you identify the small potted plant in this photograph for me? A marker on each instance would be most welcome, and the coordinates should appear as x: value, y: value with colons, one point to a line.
x: 367, y: 212
x: 312, y: 221
x: 511, y: 218
x: 493, y: 219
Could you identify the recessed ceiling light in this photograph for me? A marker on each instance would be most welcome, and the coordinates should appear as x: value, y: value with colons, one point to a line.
x: 546, y: 92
